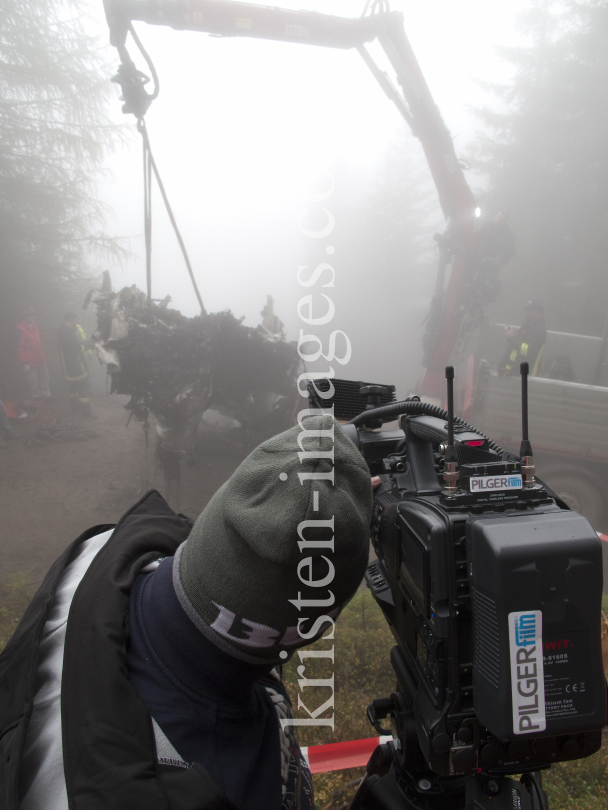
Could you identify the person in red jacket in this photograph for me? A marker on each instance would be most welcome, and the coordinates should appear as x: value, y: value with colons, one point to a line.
x: 31, y: 356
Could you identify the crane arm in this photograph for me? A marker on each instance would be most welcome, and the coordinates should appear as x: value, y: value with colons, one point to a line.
x: 231, y: 18
x: 228, y: 18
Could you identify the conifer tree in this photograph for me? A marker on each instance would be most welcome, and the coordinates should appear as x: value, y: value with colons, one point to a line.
x: 545, y: 155
x: 54, y: 133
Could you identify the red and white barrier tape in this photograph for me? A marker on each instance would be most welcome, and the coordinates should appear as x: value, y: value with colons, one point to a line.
x: 338, y: 756
x: 603, y: 537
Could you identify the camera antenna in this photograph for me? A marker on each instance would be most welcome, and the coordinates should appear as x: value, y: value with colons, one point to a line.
x: 451, y: 475
x: 525, y: 450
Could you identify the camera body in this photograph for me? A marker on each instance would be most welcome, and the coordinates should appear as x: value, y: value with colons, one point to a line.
x: 493, y: 594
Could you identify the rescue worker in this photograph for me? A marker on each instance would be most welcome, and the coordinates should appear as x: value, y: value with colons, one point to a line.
x: 144, y: 673
x: 73, y: 363
x: 83, y: 339
x: 31, y: 356
x: 525, y: 344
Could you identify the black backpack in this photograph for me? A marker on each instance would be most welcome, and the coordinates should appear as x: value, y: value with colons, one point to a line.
x: 109, y: 750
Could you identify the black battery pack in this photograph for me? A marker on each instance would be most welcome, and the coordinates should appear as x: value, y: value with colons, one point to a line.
x: 536, y: 586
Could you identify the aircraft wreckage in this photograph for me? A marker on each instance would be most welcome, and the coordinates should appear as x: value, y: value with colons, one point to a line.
x: 177, y: 368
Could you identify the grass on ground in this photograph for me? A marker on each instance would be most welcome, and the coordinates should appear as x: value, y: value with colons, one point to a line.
x: 362, y: 672
x: 14, y: 598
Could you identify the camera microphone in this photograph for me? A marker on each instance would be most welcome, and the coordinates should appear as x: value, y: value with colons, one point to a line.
x: 525, y: 450
x: 451, y: 473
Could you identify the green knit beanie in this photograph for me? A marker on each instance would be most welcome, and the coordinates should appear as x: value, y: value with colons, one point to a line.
x: 283, y: 543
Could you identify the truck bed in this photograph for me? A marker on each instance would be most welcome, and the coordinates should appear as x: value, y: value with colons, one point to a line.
x: 568, y: 417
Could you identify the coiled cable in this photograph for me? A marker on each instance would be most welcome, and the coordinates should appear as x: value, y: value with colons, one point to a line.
x: 414, y: 408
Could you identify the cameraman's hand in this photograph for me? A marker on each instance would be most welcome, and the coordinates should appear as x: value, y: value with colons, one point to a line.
x: 376, y: 481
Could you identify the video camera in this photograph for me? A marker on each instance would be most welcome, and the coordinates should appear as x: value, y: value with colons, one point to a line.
x: 492, y: 588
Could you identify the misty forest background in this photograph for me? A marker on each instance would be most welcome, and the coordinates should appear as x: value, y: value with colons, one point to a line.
x: 542, y: 150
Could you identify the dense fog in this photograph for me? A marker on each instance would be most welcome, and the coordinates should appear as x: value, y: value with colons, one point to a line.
x: 247, y: 134
x: 315, y: 232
